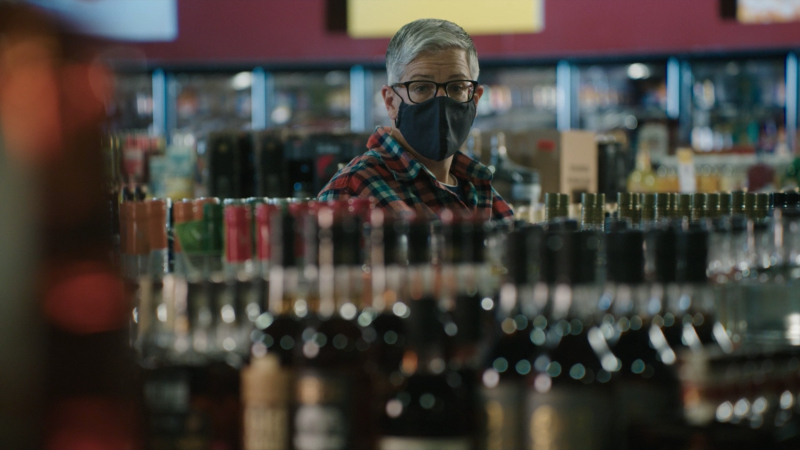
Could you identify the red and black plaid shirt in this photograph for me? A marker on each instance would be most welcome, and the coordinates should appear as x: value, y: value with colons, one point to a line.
x: 389, y: 174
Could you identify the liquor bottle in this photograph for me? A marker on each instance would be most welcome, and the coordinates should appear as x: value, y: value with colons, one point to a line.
x: 737, y: 202
x: 237, y: 306
x: 515, y: 183
x: 521, y: 322
x: 267, y: 389
x: 571, y: 377
x: 383, y: 320
x: 467, y: 295
x: 332, y: 389
x: 648, y: 391
x: 425, y: 412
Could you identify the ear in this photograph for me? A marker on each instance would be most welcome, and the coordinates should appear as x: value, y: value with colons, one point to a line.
x: 391, y: 100
x: 477, y: 95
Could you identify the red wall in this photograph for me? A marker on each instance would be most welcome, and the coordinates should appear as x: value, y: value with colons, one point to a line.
x: 237, y: 32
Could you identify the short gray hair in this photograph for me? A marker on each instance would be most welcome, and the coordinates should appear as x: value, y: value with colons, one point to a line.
x: 427, y: 35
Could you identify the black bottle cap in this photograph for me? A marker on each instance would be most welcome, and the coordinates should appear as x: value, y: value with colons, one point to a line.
x: 423, y: 326
x: 692, y: 255
x: 419, y: 243
x: 625, y: 254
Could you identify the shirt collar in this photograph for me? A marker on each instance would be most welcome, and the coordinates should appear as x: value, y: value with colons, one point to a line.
x: 406, y: 167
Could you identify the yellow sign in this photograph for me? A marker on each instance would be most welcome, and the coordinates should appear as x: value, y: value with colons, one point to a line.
x: 382, y: 18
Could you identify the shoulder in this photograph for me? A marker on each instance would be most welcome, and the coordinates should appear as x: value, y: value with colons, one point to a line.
x: 363, y: 175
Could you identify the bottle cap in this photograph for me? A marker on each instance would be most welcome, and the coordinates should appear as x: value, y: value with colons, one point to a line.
x: 157, y: 211
x: 182, y: 211
x: 238, y: 239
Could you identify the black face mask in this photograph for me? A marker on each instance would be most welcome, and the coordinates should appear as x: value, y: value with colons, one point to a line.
x: 436, y: 128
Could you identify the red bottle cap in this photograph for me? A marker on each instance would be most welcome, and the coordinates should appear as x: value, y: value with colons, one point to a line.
x: 238, y: 241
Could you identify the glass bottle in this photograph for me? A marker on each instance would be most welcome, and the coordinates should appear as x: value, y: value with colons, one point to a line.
x: 520, y: 332
x: 332, y: 389
x: 425, y: 411
x: 571, y: 377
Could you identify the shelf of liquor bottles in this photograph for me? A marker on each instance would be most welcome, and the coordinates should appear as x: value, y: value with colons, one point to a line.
x: 720, y: 103
x: 663, y: 321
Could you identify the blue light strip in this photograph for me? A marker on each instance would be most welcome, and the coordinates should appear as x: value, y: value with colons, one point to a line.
x: 358, y: 99
x: 160, y: 107
x: 564, y: 95
x: 258, y: 95
x: 673, y: 88
x: 791, y: 101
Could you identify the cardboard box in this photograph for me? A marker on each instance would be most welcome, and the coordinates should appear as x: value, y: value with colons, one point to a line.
x: 566, y: 161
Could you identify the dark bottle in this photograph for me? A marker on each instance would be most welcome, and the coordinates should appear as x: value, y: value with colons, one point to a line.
x: 521, y: 323
x: 647, y: 390
x: 426, y: 411
x: 267, y: 393
x: 648, y: 212
x: 699, y: 206
x: 332, y: 394
x: 570, y: 379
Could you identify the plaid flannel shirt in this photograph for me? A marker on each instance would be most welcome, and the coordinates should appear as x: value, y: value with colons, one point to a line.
x: 389, y: 174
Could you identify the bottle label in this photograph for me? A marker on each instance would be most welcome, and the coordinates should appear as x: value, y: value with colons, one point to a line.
x: 266, y: 428
x: 411, y: 443
x: 504, y: 407
x: 322, y: 418
x: 575, y: 418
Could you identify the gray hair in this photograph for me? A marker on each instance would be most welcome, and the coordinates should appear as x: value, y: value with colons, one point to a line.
x: 427, y: 35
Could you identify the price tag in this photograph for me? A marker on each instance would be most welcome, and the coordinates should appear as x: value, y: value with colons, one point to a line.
x: 686, y: 176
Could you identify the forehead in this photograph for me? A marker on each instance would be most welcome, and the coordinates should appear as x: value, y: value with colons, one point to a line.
x: 445, y: 63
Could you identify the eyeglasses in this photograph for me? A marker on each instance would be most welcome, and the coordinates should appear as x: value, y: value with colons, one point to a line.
x: 420, y: 91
